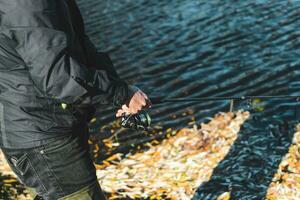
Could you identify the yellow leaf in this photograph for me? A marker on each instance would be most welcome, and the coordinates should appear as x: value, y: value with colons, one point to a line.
x: 224, y: 196
x: 93, y: 120
x: 10, y: 181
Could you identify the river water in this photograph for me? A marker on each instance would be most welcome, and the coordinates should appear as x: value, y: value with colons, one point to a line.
x: 200, y: 48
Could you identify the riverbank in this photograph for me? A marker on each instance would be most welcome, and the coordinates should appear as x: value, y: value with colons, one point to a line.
x: 175, y: 167
x: 10, y: 187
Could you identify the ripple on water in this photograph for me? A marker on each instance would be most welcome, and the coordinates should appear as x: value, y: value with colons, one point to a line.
x: 184, y: 48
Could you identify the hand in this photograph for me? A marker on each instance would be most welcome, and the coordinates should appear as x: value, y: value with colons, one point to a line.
x: 135, y: 104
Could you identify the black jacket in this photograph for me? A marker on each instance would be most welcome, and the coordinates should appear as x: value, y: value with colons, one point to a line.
x: 46, y: 59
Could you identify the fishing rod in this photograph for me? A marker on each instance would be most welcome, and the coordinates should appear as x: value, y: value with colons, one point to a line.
x: 160, y: 100
x: 142, y: 120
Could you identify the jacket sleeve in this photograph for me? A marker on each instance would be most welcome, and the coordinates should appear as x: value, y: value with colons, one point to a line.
x: 101, y: 61
x: 45, y: 44
x: 97, y: 59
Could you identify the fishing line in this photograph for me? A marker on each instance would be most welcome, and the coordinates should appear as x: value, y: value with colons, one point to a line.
x: 160, y: 100
x: 142, y: 120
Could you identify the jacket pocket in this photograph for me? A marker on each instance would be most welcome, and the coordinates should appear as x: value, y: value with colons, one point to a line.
x: 63, y: 118
x: 18, y: 165
x: 39, y: 113
x: 52, y: 116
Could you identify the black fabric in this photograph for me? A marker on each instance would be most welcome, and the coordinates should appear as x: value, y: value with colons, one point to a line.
x: 46, y: 59
x: 58, y: 169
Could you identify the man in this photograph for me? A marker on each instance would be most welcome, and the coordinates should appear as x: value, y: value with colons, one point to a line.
x: 51, y: 78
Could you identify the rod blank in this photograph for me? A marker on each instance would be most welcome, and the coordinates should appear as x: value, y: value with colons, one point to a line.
x: 160, y: 100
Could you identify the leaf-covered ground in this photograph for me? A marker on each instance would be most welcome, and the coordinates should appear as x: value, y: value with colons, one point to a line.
x: 10, y: 187
x: 286, y: 182
x: 175, y: 167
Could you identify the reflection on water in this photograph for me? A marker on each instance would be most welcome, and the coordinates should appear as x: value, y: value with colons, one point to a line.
x: 187, y: 48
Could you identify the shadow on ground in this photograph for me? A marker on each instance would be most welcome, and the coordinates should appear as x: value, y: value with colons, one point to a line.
x: 250, y: 165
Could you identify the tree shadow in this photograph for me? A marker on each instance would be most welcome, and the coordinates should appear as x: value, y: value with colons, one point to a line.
x: 10, y: 187
x: 248, y: 168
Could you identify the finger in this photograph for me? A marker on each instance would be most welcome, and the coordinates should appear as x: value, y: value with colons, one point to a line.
x: 135, y: 109
x: 119, y: 113
x: 125, y: 108
x: 144, y: 95
x: 148, y: 104
x: 147, y: 100
x: 141, y: 99
x: 143, y: 102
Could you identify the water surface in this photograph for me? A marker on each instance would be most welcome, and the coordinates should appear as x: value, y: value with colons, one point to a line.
x: 200, y: 48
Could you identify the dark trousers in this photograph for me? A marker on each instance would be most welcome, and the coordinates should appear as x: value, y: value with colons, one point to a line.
x: 62, y: 169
